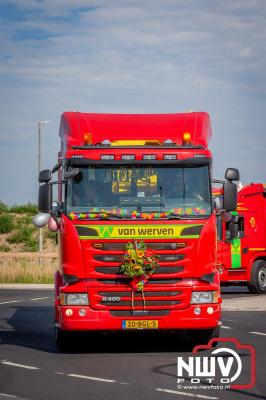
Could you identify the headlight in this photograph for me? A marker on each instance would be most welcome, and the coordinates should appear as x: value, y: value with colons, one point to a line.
x: 204, y: 297
x: 74, y: 299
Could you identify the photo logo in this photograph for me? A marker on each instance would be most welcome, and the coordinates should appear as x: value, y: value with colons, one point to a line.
x: 230, y: 365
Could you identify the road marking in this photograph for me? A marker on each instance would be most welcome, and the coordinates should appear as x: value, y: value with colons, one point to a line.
x: 225, y: 327
x: 20, y: 301
x: 93, y: 378
x: 198, y: 396
x: 8, y: 395
x: 40, y: 298
x: 258, y: 333
x: 18, y: 365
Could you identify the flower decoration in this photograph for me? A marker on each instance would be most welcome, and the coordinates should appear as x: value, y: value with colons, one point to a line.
x: 98, y: 213
x: 138, y: 263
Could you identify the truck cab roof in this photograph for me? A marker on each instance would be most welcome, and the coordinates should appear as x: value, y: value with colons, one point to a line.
x: 75, y: 126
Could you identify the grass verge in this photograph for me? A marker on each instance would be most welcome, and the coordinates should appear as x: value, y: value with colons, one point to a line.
x: 23, y: 270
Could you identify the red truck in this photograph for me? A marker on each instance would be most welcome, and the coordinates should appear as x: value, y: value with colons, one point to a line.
x: 242, y: 240
x: 136, y: 180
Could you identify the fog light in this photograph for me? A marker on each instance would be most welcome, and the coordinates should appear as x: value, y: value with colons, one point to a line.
x: 210, y: 310
x: 82, y: 312
x: 197, y: 311
x: 69, y: 312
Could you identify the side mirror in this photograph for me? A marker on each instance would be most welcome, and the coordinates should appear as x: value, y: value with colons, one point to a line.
x: 45, y: 198
x: 45, y: 176
x: 230, y: 196
x: 232, y: 174
x: 218, y: 203
x: 71, y: 173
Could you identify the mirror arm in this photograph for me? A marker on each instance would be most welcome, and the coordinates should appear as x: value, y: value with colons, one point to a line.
x: 58, y: 182
x: 218, y: 181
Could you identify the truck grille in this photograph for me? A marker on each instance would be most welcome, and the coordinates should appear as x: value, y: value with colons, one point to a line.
x: 162, y: 294
x: 117, y: 299
x: 160, y: 270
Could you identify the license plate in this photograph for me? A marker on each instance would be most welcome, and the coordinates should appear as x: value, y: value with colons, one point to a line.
x: 140, y: 324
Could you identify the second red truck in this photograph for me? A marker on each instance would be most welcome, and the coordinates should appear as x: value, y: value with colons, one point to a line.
x: 242, y: 241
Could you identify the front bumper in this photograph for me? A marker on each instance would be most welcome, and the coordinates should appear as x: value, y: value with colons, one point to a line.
x: 101, y: 320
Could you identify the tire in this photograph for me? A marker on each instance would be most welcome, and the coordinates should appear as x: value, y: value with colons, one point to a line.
x: 203, y: 336
x: 62, y: 339
x: 257, y: 283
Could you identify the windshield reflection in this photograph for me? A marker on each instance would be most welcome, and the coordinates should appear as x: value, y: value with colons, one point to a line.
x: 137, y: 191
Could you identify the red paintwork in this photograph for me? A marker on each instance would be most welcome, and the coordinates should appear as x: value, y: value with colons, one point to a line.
x: 251, y: 207
x: 78, y: 256
x: 138, y: 126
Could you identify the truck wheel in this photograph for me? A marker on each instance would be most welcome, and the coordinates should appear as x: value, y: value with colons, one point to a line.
x: 257, y: 283
x: 202, y: 336
x: 62, y: 339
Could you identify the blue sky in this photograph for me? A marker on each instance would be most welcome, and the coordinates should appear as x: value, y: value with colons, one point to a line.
x: 130, y: 56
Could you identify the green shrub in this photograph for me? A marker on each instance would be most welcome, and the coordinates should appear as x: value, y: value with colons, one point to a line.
x: 24, y: 209
x: 31, y: 245
x: 6, y: 223
x: 49, y: 235
x: 3, y: 208
x: 4, y: 248
x: 22, y: 235
x: 25, y: 220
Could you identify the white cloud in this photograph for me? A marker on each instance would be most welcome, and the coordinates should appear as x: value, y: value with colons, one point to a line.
x: 141, y: 56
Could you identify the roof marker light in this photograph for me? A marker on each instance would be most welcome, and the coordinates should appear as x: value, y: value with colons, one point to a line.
x: 169, y: 157
x: 168, y: 141
x: 87, y: 138
x: 186, y: 139
x: 128, y: 157
x: 107, y: 157
x: 149, y: 157
x: 106, y: 142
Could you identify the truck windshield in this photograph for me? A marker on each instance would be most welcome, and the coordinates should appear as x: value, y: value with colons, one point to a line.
x: 139, y: 191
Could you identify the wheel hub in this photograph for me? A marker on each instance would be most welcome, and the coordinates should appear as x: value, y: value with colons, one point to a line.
x: 262, y: 278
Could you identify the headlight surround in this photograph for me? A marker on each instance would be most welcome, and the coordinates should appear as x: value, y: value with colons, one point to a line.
x: 74, y: 299
x: 204, y: 297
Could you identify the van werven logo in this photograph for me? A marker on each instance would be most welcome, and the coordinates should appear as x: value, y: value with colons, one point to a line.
x: 230, y: 366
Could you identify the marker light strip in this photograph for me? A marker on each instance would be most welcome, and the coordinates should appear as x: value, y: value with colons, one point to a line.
x: 149, y: 157
x: 169, y: 156
x: 107, y: 157
x: 128, y: 157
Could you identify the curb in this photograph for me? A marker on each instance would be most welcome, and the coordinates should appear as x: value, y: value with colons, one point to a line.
x: 29, y: 286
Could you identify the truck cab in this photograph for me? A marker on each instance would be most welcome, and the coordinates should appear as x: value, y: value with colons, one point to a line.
x: 142, y: 179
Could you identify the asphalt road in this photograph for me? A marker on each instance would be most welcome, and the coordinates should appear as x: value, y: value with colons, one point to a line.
x: 137, y: 366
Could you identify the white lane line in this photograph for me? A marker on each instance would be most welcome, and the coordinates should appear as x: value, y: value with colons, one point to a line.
x: 93, y: 378
x: 8, y: 395
x: 40, y: 298
x: 258, y: 333
x: 20, y: 301
x: 198, y: 396
x: 226, y: 327
x: 18, y: 365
